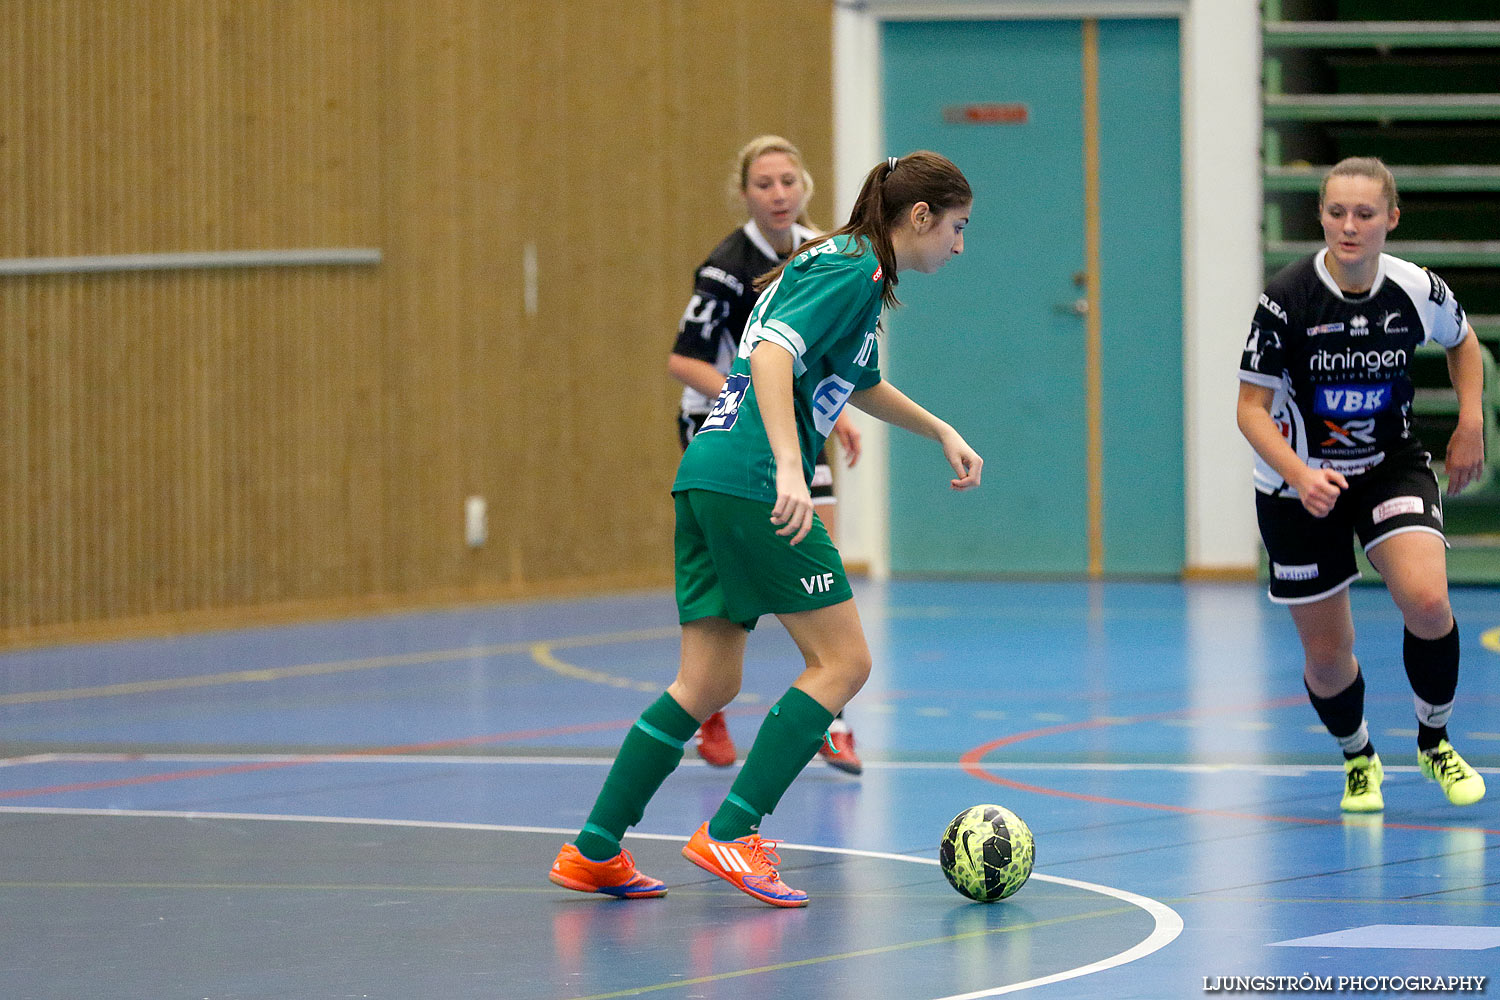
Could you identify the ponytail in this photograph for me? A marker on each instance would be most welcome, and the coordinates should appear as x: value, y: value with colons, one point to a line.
x: 889, y: 189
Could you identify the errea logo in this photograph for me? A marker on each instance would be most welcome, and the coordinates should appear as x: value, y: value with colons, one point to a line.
x: 1359, y: 325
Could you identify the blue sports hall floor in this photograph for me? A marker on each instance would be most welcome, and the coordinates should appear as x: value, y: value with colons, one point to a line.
x: 368, y: 807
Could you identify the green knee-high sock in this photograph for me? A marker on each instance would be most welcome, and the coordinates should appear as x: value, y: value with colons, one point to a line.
x: 651, y: 751
x: 787, y: 740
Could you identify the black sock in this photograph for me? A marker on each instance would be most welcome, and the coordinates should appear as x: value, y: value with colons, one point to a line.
x: 1343, y: 715
x: 1432, y: 669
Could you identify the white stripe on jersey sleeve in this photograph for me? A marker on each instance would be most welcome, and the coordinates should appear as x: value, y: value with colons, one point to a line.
x: 778, y: 333
x: 1256, y: 378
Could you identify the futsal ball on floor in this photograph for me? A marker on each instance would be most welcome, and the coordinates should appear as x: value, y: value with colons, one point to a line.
x: 987, y: 853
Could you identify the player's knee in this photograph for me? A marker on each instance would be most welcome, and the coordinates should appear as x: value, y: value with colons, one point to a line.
x: 1428, y: 614
x: 1329, y: 661
x: 701, y: 697
x: 855, y: 669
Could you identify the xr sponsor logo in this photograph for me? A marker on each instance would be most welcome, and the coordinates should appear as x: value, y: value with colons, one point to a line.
x: 1350, y: 434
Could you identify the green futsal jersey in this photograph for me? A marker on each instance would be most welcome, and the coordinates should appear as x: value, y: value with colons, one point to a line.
x: 823, y: 311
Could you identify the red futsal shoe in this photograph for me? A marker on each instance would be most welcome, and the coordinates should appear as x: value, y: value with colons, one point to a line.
x: 714, y: 743
x: 838, y: 751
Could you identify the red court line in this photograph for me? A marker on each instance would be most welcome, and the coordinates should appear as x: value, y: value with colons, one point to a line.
x: 210, y: 772
x: 971, y: 760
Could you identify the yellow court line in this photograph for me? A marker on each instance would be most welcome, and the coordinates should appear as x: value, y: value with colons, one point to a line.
x: 541, y: 652
x: 863, y: 953
x: 332, y: 667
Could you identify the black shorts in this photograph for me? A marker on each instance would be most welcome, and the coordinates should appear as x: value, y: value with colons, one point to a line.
x: 822, y: 484
x: 1313, y: 557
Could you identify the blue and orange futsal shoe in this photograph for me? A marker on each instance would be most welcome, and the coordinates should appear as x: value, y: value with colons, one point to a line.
x: 748, y: 864
x: 615, y: 877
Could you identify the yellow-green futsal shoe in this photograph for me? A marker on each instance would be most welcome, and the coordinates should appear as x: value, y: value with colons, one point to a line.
x: 1362, y: 777
x: 1461, y: 783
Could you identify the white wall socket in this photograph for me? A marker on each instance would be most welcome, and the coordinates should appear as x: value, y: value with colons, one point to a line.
x: 476, y: 526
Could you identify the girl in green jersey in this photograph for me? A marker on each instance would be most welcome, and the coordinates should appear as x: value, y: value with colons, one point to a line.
x: 748, y: 542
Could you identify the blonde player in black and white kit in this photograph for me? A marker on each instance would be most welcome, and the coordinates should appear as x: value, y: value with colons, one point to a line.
x: 1325, y: 400
x: 769, y: 176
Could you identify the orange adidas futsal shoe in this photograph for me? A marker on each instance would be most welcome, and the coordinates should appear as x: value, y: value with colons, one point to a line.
x: 747, y: 864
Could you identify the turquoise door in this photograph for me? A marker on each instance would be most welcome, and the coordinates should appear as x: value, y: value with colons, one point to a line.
x: 996, y: 343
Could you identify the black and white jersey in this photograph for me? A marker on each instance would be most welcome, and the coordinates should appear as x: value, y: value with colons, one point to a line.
x: 1340, y: 363
x: 723, y: 294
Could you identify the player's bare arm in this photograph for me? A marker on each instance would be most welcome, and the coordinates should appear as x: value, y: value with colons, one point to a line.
x: 1318, y: 489
x: 696, y: 374
x: 1464, y: 460
x: 771, y: 373
x: 884, y: 401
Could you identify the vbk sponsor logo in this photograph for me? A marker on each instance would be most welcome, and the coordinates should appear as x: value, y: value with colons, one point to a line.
x: 1272, y: 308
x: 1313, y: 331
x: 1307, y: 571
x: 1351, y: 400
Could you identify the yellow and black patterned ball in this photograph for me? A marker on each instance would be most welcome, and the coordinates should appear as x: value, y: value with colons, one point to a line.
x: 987, y: 853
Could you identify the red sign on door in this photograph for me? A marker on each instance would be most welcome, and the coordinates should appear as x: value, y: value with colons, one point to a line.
x: 986, y: 114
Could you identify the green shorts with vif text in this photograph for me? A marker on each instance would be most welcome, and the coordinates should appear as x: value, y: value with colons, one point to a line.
x: 732, y: 564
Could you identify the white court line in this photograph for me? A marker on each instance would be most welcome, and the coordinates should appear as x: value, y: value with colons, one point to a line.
x: 1272, y: 770
x: 1168, y: 924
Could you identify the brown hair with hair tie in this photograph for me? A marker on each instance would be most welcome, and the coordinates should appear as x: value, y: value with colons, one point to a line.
x: 883, y: 198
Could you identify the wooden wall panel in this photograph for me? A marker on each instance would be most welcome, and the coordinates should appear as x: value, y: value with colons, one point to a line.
x: 194, y: 447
